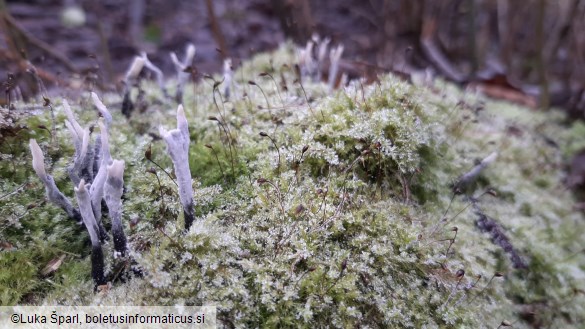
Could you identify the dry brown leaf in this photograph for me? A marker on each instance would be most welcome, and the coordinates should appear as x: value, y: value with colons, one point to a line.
x: 53, y: 265
x: 5, y: 245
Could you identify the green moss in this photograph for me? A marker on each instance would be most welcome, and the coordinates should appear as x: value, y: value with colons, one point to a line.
x: 346, y: 217
x: 573, y: 139
x: 18, y: 278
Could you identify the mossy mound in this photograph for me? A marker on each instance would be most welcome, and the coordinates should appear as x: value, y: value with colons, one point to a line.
x: 316, y: 209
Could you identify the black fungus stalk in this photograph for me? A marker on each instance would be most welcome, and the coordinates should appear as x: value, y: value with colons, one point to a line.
x: 97, y: 265
x: 499, y: 237
x: 113, y: 194
x: 127, y: 105
x: 131, y: 74
x: 189, y: 214
x: 97, y: 256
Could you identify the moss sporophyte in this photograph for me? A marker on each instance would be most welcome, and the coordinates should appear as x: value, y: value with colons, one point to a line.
x: 290, y: 202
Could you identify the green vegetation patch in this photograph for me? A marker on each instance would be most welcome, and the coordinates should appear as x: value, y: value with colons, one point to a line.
x: 314, y: 208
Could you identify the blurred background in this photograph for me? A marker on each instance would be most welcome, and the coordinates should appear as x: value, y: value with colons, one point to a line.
x: 530, y: 52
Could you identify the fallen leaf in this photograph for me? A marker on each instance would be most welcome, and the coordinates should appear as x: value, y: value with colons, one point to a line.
x: 53, y: 265
x: 5, y: 245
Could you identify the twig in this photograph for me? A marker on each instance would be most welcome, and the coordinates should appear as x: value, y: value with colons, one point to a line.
x: 13, y: 192
x: 541, y: 63
x: 216, y: 29
x: 469, y: 177
x: 39, y: 43
x: 434, y: 53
